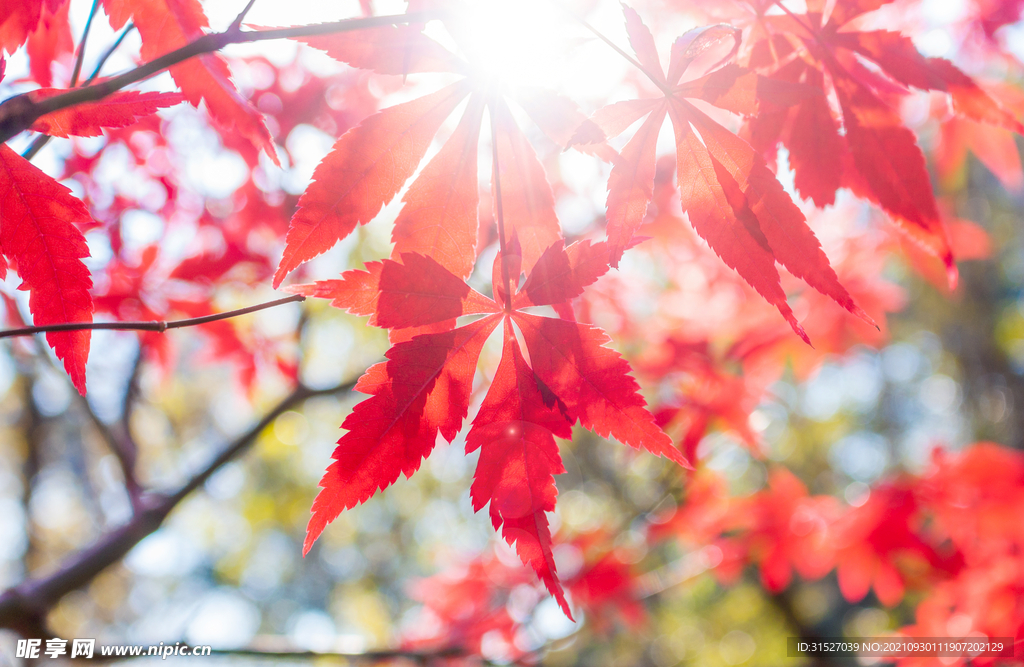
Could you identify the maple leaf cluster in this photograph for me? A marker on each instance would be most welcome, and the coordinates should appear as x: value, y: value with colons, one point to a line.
x: 819, y: 84
x: 950, y: 533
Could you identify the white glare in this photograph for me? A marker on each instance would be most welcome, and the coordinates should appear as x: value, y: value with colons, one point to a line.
x: 511, y: 43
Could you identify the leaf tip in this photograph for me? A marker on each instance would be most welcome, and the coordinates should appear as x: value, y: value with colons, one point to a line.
x: 952, y: 274
x: 314, y: 528
x: 859, y: 312
x: 279, y: 276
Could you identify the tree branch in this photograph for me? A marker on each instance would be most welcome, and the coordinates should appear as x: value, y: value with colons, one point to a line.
x: 24, y: 607
x: 160, y: 326
x: 19, y: 112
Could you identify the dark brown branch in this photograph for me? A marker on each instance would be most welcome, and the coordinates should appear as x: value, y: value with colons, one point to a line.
x: 19, y: 112
x: 24, y: 607
x: 149, y: 326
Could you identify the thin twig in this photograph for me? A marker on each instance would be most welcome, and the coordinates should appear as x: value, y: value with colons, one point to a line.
x: 19, y: 112
x: 615, y: 47
x: 237, y: 23
x: 24, y: 607
x: 81, y: 44
x: 814, y: 33
x: 120, y: 445
x: 131, y: 396
x: 159, y: 326
x: 109, y: 52
x: 36, y: 146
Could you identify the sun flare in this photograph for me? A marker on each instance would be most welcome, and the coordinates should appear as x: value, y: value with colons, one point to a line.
x: 512, y: 43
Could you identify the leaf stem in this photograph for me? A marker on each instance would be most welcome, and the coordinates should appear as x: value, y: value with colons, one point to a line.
x: 811, y: 31
x: 502, y: 245
x: 615, y: 47
x: 159, y: 326
x: 19, y: 112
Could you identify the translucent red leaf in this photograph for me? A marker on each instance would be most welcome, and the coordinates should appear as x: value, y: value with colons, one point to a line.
x: 742, y: 91
x: 718, y: 212
x: 642, y: 42
x: 38, y: 234
x: 518, y: 460
x: 18, y: 18
x: 593, y: 382
x: 364, y: 170
x: 970, y: 100
x: 815, y: 146
x: 356, y: 291
x: 508, y: 265
x: 49, y: 41
x: 612, y: 120
x: 439, y: 218
x: 995, y: 147
x: 898, y: 56
x: 562, y: 273
x: 387, y: 50
x: 120, y: 109
x: 855, y: 573
x: 694, y: 43
x: 887, y: 157
x: 527, y: 201
x: 792, y: 242
x: 165, y: 25
x: 845, y: 10
x: 560, y: 118
x: 419, y: 291
x: 631, y: 185
x: 424, y: 388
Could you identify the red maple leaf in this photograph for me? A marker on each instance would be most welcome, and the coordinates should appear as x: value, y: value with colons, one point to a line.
x: 872, y: 541
x: 120, y: 109
x: 789, y: 530
x: 425, y: 387
x: 19, y: 18
x: 733, y: 200
x: 370, y: 163
x: 875, y: 154
x: 49, y: 41
x: 39, y: 236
